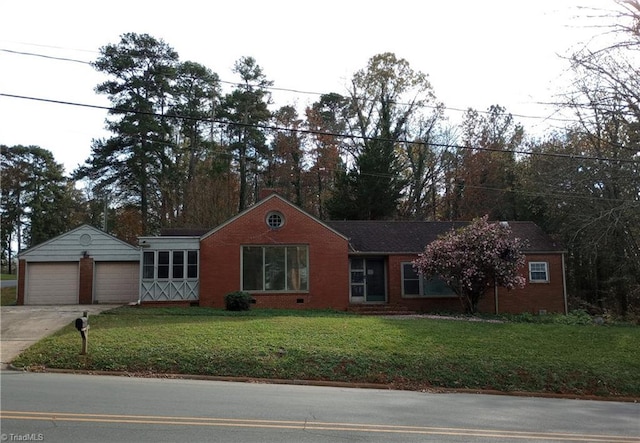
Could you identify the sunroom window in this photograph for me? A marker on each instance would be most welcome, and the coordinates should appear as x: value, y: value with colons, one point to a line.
x: 148, y: 264
x: 169, y: 265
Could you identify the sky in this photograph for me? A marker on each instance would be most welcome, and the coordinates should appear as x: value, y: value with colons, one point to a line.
x: 477, y: 53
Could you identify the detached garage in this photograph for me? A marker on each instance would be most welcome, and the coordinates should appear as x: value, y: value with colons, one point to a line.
x: 82, y: 266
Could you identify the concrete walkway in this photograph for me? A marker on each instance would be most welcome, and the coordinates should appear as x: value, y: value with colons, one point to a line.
x: 22, y: 326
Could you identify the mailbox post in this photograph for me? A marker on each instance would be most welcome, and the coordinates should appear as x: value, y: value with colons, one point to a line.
x: 82, y: 325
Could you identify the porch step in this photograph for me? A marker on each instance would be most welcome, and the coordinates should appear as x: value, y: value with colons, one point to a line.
x: 380, y: 310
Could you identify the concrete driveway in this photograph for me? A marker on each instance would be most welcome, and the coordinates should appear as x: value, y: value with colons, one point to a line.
x: 22, y: 326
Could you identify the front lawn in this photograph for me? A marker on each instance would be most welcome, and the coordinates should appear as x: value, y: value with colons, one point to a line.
x: 413, y: 353
x: 8, y: 296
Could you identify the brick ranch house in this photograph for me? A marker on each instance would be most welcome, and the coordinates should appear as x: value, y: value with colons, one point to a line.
x: 287, y: 258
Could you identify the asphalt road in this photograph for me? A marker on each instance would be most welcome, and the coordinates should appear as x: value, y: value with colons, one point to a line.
x: 84, y: 408
x: 8, y: 283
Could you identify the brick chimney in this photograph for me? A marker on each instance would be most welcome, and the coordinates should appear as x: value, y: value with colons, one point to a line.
x: 266, y: 192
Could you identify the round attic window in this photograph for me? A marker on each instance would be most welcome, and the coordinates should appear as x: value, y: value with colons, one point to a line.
x: 275, y: 220
x: 85, y: 239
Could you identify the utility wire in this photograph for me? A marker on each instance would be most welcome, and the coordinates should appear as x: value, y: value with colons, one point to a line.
x: 559, y: 195
x: 316, y: 132
x: 297, y: 91
x: 45, y: 56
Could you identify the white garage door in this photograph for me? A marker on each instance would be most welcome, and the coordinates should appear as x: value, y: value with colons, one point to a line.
x: 117, y: 282
x: 52, y: 284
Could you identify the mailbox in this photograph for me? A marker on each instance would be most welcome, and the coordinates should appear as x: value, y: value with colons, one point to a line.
x: 82, y: 325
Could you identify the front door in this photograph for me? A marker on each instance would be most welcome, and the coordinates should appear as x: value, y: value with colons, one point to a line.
x: 368, y: 280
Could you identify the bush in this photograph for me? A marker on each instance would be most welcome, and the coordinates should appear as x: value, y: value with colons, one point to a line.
x: 238, y: 301
x: 576, y: 317
x: 525, y: 317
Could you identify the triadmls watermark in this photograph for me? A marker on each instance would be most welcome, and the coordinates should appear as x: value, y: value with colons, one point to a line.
x: 22, y: 437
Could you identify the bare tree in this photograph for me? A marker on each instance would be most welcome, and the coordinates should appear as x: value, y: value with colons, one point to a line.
x: 600, y: 194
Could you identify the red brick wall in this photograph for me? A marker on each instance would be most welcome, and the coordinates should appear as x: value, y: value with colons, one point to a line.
x: 22, y: 267
x: 416, y: 303
x: 329, y: 268
x: 533, y: 298
x: 328, y: 258
x: 85, y: 289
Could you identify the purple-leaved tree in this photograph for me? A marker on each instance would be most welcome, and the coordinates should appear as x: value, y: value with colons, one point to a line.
x: 473, y: 258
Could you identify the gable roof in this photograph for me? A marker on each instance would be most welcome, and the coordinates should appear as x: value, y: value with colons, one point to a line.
x: 83, y: 238
x: 265, y: 201
x: 411, y: 237
x: 398, y: 237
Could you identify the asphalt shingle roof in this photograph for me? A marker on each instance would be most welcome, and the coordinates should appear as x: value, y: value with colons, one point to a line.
x: 183, y: 232
x: 412, y: 236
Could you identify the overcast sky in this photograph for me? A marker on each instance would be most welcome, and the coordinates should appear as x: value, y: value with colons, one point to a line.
x: 476, y: 53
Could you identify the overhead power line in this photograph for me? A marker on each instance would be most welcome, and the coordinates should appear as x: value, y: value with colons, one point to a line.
x: 315, y: 132
x: 299, y: 91
x: 65, y: 59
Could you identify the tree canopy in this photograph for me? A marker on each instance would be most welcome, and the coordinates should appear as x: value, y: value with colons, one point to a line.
x: 38, y: 201
x: 384, y: 100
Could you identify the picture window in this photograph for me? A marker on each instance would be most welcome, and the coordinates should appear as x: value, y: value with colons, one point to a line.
x: 275, y: 268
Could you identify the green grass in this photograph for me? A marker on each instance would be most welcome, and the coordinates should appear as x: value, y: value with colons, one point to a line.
x: 404, y: 353
x: 7, y: 296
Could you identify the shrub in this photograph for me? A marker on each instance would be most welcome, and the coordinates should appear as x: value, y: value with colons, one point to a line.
x: 238, y: 301
x: 524, y: 317
x: 576, y: 317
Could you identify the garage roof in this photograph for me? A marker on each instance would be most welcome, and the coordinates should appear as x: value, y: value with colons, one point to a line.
x: 83, y: 240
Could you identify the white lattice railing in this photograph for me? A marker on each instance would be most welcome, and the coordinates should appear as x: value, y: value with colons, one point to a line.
x: 166, y: 290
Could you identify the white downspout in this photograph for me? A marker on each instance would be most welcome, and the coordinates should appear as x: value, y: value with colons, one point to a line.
x: 495, y: 295
x: 141, y: 259
x: 564, y: 287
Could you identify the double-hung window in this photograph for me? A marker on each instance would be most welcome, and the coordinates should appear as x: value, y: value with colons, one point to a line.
x: 275, y: 268
x: 415, y: 285
x: 538, y: 272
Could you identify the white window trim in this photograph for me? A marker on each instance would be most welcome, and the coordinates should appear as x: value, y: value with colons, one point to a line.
x: 272, y: 216
x: 531, y: 271
x: 185, y: 265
